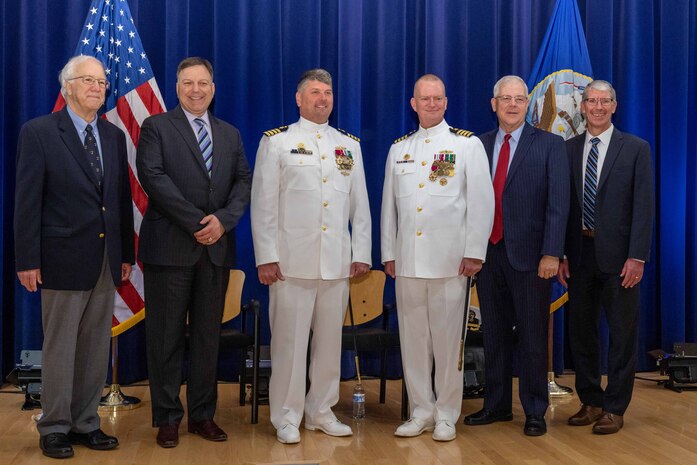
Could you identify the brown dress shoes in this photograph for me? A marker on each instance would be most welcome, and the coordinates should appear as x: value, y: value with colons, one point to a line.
x: 207, y: 429
x: 168, y: 436
x: 586, y: 416
x: 609, y: 423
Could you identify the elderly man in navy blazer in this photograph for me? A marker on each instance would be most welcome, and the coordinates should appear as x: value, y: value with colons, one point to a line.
x: 608, y: 240
x: 531, y: 186
x: 193, y: 167
x: 74, y: 239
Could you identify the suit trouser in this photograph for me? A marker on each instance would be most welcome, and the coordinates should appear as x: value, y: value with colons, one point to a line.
x: 172, y: 292
x: 430, y: 314
x: 589, y: 290
x: 297, y: 306
x: 75, y: 355
x: 508, y: 298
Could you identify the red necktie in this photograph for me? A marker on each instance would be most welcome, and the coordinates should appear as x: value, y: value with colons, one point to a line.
x: 499, y: 182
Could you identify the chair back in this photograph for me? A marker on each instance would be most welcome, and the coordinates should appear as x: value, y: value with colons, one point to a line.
x: 366, y: 297
x: 233, y: 295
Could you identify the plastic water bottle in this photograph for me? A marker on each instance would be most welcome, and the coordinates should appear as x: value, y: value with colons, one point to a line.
x: 358, y: 402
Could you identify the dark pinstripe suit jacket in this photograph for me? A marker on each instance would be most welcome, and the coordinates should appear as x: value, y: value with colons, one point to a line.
x: 535, y: 197
x: 624, y: 203
x: 172, y: 172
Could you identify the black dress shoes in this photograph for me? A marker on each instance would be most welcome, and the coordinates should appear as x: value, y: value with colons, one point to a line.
x: 56, y: 445
x: 96, y: 440
x: 168, y: 436
x: 485, y: 417
x: 207, y: 429
x: 535, y: 425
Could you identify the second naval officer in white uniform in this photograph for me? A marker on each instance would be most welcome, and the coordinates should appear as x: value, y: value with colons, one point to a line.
x: 308, y: 186
x: 437, y: 214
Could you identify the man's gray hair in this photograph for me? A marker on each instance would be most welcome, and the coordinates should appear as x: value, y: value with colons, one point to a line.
x: 510, y: 79
x: 68, y: 70
x: 317, y: 74
x: 600, y: 85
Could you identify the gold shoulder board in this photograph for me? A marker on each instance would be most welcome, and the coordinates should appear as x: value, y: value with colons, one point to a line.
x: 461, y: 132
x: 348, y: 134
x: 404, y: 137
x: 273, y: 132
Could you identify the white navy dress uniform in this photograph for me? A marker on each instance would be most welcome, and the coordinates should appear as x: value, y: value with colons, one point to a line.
x: 437, y: 208
x: 308, y: 185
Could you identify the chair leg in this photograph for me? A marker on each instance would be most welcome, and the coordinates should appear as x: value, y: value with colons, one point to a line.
x: 383, y: 375
x: 243, y: 378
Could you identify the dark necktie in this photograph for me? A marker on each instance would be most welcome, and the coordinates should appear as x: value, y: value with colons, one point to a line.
x: 93, y: 152
x: 204, y: 142
x: 499, y: 183
x: 590, y: 186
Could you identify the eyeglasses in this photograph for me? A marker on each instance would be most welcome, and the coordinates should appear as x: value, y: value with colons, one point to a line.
x: 90, y: 81
x: 507, y: 99
x: 606, y: 102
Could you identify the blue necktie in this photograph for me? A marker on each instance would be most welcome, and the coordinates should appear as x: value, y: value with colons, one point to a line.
x: 204, y: 142
x: 590, y: 186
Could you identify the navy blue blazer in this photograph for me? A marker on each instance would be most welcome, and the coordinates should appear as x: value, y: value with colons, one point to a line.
x: 62, y: 217
x: 624, y: 203
x: 173, y: 174
x: 535, y: 197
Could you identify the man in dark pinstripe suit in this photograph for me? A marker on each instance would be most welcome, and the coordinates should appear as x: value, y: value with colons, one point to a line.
x: 531, y: 185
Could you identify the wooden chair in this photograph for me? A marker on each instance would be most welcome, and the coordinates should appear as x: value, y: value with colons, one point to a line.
x: 367, y: 301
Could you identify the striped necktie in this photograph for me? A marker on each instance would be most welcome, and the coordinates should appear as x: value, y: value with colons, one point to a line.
x: 590, y: 186
x: 93, y: 152
x: 204, y: 143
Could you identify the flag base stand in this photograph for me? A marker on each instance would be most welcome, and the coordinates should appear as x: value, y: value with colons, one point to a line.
x: 116, y: 401
x: 557, y: 390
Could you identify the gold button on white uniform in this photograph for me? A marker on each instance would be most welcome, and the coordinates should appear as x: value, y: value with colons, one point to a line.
x: 324, y: 157
x: 419, y: 209
x: 421, y: 185
x: 324, y: 179
x: 325, y: 203
x: 424, y: 163
x: 418, y: 233
x: 324, y: 227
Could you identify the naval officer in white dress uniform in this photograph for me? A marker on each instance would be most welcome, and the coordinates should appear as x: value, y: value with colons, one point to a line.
x: 308, y: 186
x: 437, y: 215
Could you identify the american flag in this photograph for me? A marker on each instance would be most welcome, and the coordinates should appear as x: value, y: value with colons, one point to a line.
x: 110, y: 35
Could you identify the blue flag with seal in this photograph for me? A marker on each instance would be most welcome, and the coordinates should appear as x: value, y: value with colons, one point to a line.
x: 560, y: 74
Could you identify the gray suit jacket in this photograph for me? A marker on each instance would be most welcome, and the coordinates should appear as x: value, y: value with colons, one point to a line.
x: 172, y: 173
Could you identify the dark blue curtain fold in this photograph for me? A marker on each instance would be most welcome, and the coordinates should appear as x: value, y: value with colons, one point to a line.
x: 375, y: 51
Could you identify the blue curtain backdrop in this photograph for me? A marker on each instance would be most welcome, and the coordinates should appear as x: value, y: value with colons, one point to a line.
x: 375, y: 50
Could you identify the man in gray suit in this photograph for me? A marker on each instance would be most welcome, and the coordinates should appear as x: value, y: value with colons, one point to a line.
x: 74, y: 238
x: 608, y: 240
x: 193, y: 167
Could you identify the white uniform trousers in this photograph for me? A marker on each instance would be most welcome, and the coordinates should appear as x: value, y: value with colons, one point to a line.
x: 430, y: 326
x: 295, y: 307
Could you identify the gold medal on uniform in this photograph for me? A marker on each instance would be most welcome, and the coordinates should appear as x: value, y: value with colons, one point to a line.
x: 344, y: 160
x: 443, y: 166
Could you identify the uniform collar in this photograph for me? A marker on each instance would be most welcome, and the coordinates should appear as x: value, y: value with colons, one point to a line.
x: 312, y: 127
x: 434, y: 131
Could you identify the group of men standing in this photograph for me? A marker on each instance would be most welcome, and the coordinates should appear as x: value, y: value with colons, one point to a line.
x: 516, y: 207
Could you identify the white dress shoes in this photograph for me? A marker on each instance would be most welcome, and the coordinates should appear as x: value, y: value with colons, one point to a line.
x: 413, y: 427
x: 332, y: 428
x: 288, y: 434
x: 444, y: 431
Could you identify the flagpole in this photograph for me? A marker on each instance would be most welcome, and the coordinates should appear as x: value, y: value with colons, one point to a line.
x: 554, y: 389
x: 116, y: 401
